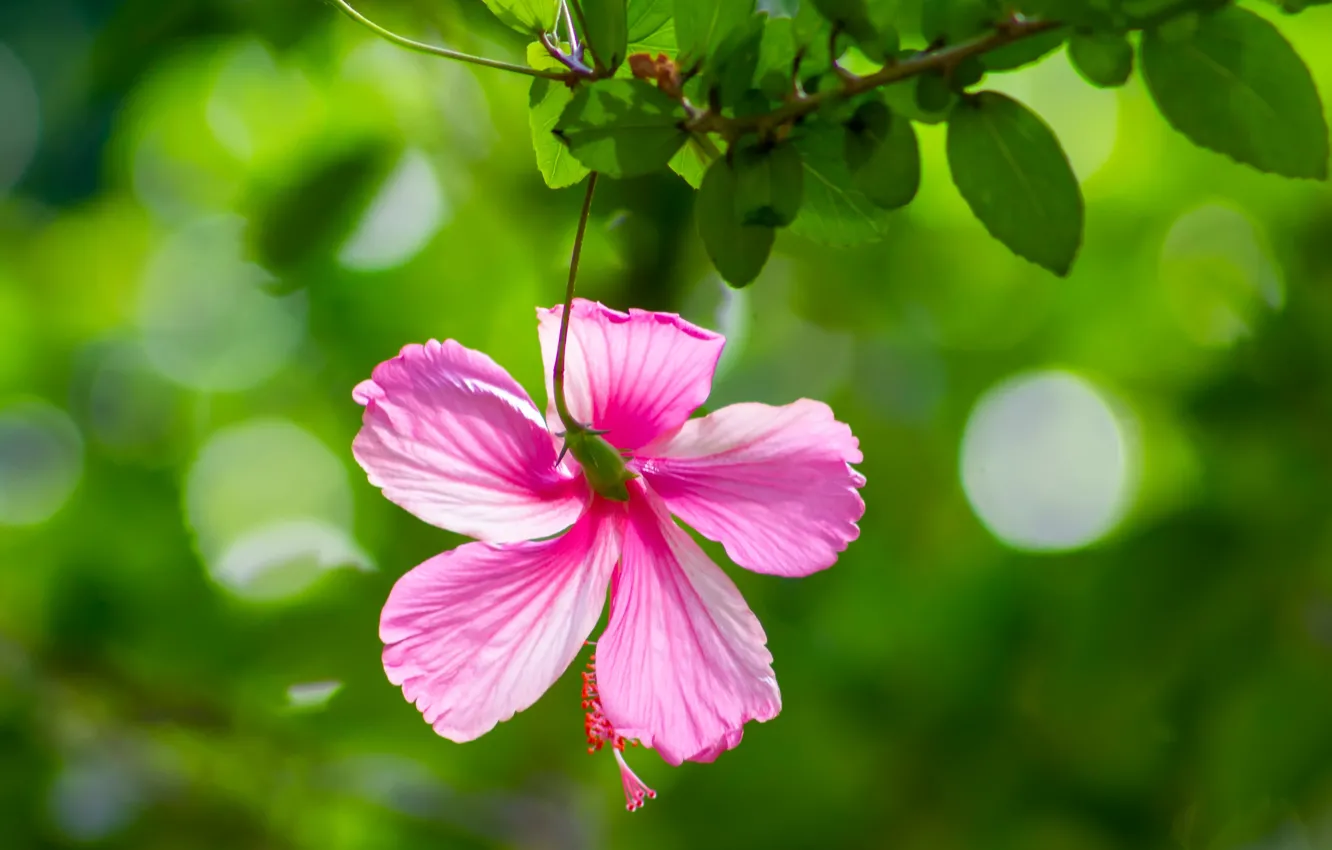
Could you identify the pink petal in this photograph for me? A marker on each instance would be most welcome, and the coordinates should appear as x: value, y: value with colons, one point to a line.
x: 771, y: 484
x: 635, y: 374
x: 449, y: 436
x: 479, y: 633
x: 683, y: 664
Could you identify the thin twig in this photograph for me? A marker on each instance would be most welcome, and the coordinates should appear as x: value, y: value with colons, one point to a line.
x: 575, y: 47
x: 570, y: 62
x: 844, y: 75
x: 420, y: 47
x: 561, y: 406
x: 587, y: 45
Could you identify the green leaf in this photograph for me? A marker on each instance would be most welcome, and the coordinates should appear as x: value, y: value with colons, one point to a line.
x: 622, y: 128
x: 1179, y: 28
x: 1084, y: 13
x: 955, y: 20
x: 968, y: 73
x: 886, y: 42
x: 769, y: 184
x: 729, y: 70
x: 904, y: 99
x: 1104, y: 59
x: 701, y: 25
x: 776, y: 62
x: 646, y: 18
x: 842, y: 12
x: 933, y: 93
x: 738, y: 251
x: 834, y: 212
x: 850, y: 16
x: 1011, y: 171
x: 1235, y: 86
x: 529, y: 16
x: 869, y: 25
x: 883, y: 15
x: 1112, y: 15
x: 546, y: 102
x: 809, y: 37
x: 1024, y: 52
x: 753, y: 102
x: 539, y: 57
x: 691, y: 162
x: 1145, y: 13
x: 660, y: 41
x: 808, y: 25
x: 865, y: 131
x: 884, y: 156
x: 605, y: 29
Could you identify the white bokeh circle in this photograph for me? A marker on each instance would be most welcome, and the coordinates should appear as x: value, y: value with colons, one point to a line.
x: 270, y: 506
x: 1046, y: 462
x: 20, y: 119
x: 41, y: 461
x: 205, y: 315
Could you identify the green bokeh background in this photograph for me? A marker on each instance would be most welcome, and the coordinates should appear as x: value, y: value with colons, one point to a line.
x: 162, y: 396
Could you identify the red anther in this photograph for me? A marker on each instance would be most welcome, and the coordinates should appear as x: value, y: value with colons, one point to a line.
x: 599, y: 732
x: 595, y: 724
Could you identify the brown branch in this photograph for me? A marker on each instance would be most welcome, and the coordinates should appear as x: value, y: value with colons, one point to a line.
x: 943, y: 59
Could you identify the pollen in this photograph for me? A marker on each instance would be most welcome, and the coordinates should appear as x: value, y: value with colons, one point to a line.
x: 595, y: 725
x: 600, y: 732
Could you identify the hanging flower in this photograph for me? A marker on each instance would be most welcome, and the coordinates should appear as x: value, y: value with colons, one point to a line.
x: 478, y: 633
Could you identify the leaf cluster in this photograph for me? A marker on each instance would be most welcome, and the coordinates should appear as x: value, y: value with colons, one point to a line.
x: 758, y: 111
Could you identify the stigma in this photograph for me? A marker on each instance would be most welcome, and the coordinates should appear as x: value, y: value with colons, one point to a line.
x: 600, y: 733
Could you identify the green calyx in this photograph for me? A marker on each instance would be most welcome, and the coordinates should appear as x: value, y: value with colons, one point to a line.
x: 602, y: 463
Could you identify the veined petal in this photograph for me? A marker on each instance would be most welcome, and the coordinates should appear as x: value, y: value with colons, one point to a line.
x: 635, y: 374
x: 479, y: 633
x: 771, y: 484
x: 682, y: 665
x: 449, y: 436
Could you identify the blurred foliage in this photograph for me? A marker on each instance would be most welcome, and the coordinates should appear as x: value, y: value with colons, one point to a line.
x: 217, y: 216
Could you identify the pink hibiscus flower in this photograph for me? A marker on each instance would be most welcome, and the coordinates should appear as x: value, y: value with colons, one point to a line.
x: 478, y: 633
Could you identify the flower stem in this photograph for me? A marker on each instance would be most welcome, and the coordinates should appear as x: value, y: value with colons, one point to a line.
x: 431, y: 49
x: 561, y: 406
